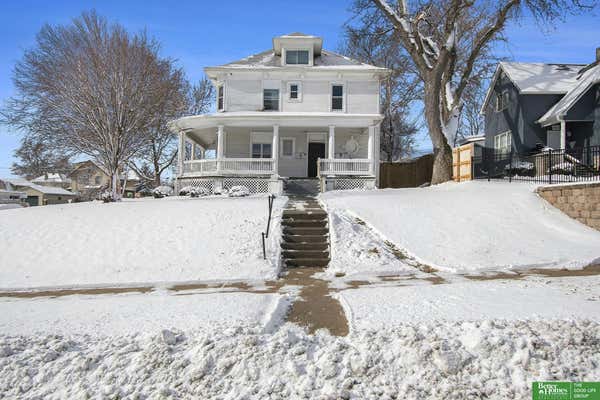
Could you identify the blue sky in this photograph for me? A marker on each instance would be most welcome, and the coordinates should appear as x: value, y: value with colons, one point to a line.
x: 200, y: 33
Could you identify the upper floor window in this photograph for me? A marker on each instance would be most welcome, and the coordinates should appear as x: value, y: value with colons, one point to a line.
x: 337, y: 97
x: 296, y: 57
x: 502, y: 100
x: 271, y: 99
x: 503, y: 142
x: 221, y: 98
x: 294, y: 93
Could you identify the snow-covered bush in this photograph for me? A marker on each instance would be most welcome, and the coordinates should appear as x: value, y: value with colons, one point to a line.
x: 184, y: 191
x: 521, y: 168
x: 239, y: 191
x: 198, y: 192
x: 107, y: 196
x: 162, y: 191
x: 565, y: 168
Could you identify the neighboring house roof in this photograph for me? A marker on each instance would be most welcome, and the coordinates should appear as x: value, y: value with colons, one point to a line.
x: 536, y: 78
x: 585, y: 81
x: 86, y: 163
x: 472, y: 139
x: 327, y: 60
x: 52, y: 178
x: 42, y: 189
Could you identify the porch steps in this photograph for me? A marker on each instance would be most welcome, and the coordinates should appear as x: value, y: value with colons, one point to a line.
x: 305, y: 233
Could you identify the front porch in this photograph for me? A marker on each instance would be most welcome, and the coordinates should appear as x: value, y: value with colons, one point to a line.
x: 260, y: 156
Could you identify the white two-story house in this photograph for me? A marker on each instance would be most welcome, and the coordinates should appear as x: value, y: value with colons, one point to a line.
x: 293, y: 111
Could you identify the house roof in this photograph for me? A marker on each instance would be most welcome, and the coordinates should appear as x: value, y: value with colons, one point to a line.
x: 327, y: 60
x: 52, y: 177
x: 39, y: 188
x: 536, y: 78
x: 584, y: 82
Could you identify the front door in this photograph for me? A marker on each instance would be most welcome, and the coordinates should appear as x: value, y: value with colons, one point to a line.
x: 315, y: 151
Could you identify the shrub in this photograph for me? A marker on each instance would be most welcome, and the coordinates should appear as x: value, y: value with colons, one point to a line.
x: 162, y: 191
x: 239, y: 191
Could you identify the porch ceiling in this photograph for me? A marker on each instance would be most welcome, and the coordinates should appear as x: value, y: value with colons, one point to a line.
x: 204, y: 126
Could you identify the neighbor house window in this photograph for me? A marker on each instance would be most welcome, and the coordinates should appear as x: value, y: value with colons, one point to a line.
x: 97, y: 180
x: 503, y: 142
x: 288, y: 147
x: 502, y: 100
x: 271, y: 99
x: 296, y: 57
x: 220, y: 98
x: 294, y: 93
x: 337, y: 97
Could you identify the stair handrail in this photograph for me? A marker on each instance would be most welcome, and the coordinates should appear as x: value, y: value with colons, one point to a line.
x: 271, y: 199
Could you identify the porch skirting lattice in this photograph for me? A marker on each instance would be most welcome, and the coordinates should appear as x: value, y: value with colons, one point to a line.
x: 347, y: 183
x: 216, y: 184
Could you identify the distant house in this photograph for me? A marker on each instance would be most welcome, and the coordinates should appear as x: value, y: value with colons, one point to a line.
x: 295, y: 110
x: 53, y: 179
x: 88, y: 179
x: 38, y: 195
x: 532, y: 105
x: 9, y: 196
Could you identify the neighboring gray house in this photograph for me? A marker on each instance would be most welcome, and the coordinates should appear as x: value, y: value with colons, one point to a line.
x: 530, y: 105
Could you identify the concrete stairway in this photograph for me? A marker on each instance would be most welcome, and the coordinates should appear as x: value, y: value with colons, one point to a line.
x: 305, y: 231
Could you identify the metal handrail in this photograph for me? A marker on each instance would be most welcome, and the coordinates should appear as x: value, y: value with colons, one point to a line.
x: 271, y: 199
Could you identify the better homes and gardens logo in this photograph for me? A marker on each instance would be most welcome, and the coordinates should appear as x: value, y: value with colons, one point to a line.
x: 565, y: 391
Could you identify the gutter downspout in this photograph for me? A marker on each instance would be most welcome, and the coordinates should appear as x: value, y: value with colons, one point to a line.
x: 563, y: 134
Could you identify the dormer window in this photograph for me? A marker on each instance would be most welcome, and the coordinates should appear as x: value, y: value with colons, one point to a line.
x: 296, y: 57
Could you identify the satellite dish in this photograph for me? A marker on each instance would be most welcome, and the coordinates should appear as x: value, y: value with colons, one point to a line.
x: 352, y: 147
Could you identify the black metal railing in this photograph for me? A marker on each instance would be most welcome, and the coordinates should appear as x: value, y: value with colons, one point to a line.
x: 543, y: 166
x: 265, y: 235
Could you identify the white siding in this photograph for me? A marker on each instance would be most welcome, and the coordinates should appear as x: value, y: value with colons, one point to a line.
x: 244, y: 95
x: 362, y: 97
x: 315, y: 97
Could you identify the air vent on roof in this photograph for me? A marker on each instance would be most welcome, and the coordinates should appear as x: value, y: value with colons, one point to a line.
x: 563, y: 67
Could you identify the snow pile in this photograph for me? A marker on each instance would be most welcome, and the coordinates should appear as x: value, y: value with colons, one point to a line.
x: 239, y: 191
x: 137, y: 241
x: 487, y: 359
x: 534, y: 298
x: 358, y: 252
x: 474, y: 226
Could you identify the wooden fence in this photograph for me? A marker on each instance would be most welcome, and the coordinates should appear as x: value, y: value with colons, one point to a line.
x: 462, y: 158
x: 406, y: 174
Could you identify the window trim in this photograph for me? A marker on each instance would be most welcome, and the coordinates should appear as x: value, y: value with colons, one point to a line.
x: 502, y: 100
x: 221, y: 97
x: 281, y: 140
x: 498, y: 137
x: 343, y: 85
x: 285, y: 60
x: 289, y: 92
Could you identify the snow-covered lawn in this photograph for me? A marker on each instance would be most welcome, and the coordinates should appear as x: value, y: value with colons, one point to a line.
x: 136, y: 241
x: 472, y: 226
x: 109, y: 315
x: 532, y: 298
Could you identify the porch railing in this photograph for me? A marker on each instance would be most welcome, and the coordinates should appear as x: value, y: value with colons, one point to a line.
x: 345, y: 166
x: 225, y: 166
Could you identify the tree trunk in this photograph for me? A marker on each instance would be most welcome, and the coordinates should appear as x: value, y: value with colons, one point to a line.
x: 442, y: 152
x: 156, y: 174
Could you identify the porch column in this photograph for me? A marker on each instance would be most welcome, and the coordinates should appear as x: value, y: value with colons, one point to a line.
x: 220, y: 140
x: 563, y: 134
x: 275, y: 149
x: 371, y: 148
x: 181, y: 152
x: 331, y: 144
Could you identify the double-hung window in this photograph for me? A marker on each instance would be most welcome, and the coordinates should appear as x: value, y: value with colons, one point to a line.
x: 271, y: 99
x: 337, y: 97
x: 220, y: 98
x: 262, y: 145
x: 296, y: 57
x: 503, y: 142
x: 502, y: 100
x: 294, y: 92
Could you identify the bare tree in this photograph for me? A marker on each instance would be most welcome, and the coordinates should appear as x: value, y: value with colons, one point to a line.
x: 37, y: 158
x: 202, y: 97
x: 444, y: 40
x: 90, y: 88
x: 371, y: 41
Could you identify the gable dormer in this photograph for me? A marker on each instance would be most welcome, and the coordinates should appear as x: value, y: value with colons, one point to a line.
x: 297, y: 49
